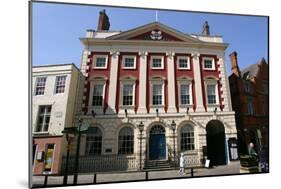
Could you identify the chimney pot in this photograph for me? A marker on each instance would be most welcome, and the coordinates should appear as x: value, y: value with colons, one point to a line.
x: 234, y: 64
x: 103, y: 23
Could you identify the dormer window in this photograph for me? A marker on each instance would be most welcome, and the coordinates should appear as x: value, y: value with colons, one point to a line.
x: 208, y: 63
x: 129, y: 62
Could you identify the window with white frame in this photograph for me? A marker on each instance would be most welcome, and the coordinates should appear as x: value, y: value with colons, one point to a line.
x: 127, y: 99
x: 208, y: 63
x: 184, y: 94
x: 211, y: 93
x: 157, y: 62
x: 60, y: 84
x: 157, y: 94
x: 187, y: 138
x: 40, y: 85
x: 126, y: 141
x: 97, y: 99
x: 183, y: 62
x: 94, y: 141
x: 250, y: 106
x: 129, y: 62
x: 100, y: 61
x: 44, y: 115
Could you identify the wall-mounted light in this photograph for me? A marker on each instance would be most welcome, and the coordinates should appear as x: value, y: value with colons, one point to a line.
x: 93, y: 113
x: 187, y: 110
x: 126, y: 113
x: 157, y: 112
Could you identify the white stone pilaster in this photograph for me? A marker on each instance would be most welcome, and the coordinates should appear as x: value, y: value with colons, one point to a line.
x: 171, y: 82
x: 113, y: 82
x: 142, y: 83
x: 225, y: 84
x: 198, y: 83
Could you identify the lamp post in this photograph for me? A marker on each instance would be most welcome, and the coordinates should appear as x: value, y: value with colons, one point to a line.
x: 173, y: 126
x: 140, y: 127
x: 76, y: 165
x: 66, y: 162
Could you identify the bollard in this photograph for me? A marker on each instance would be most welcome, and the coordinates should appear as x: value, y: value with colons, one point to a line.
x: 146, y: 175
x: 95, y: 178
x: 46, y: 180
x: 192, y: 172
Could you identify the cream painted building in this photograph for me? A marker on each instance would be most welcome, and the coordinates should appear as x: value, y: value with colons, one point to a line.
x: 54, y: 91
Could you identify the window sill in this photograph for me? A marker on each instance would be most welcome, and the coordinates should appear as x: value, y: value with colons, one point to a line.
x: 183, y: 68
x: 155, y: 68
x: 100, y: 68
x: 41, y: 133
x: 127, y: 107
x: 128, y: 68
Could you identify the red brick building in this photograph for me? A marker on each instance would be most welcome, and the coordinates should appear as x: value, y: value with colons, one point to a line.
x: 249, y: 94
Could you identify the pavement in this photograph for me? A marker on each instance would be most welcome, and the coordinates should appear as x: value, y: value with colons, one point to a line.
x: 230, y: 169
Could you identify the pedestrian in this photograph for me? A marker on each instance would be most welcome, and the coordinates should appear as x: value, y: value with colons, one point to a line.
x: 182, y: 164
x: 251, y: 150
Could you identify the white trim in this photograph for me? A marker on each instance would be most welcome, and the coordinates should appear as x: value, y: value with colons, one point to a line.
x: 129, y: 56
x: 210, y: 107
x: 213, y: 63
x: 157, y: 57
x: 189, y: 83
x: 157, y: 82
x: 188, y: 62
x: 100, y: 56
x: 122, y: 83
x: 97, y: 109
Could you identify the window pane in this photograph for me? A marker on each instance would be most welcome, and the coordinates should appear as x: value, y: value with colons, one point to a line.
x: 208, y: 63
x: 187, y: 138
x: 211, y: 92
x: 43, y: 118
x: 94, y: 142
x: 49, y: 157
x: 157, y: 95
x: 129, y: 62
x: 60, y: 84
x: 100, y: 61
x: 183, y: 63
x: 97, y: 95
x: 157, y: 62
x: 128, y: 94
x: 40, y: 85
x: 126, y: 141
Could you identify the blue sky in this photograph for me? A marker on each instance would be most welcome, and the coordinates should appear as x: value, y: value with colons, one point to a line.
x: 58, y: 27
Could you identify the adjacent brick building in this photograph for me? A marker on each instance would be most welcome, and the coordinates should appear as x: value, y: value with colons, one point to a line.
x: 250, y: 101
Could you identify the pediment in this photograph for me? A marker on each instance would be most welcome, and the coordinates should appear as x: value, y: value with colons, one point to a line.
x: 154, y: 32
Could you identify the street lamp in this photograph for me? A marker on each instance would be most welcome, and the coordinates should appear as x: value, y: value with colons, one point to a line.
x: 67, y: 158
x: 140, y: 127
x: 173, y: 126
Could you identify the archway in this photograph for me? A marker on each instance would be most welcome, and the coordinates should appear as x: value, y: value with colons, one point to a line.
x: 157, y: 143
x: 216, y: 145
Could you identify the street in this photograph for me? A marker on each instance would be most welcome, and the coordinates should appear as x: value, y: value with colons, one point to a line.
x: 232, y: 168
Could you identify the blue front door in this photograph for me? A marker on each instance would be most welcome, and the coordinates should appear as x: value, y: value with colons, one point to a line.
x: 157, y: 147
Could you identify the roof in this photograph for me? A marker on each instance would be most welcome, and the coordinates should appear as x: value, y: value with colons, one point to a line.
x: 252, y: 70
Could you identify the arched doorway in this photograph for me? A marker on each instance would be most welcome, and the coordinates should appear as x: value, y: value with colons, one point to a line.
x: 157, y: 143
x: 216, y: 145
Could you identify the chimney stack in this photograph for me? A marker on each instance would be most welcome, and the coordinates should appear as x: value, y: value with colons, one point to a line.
x: 206, y: 29
x: 234, y: 64
x: 103, y: 23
